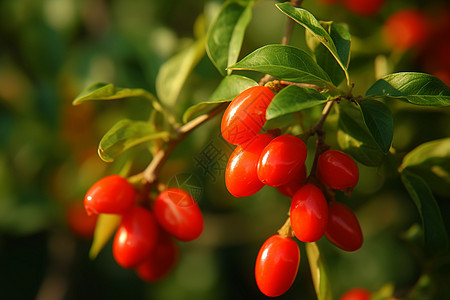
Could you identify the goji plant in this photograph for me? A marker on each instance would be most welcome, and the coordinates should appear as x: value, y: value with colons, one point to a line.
x: 299, y: 123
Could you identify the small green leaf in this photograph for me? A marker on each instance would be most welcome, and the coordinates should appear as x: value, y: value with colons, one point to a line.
x: 284, y: 62
x: 292, y: 99
x: 411, y: 87
x: 228, y: 89
x: 318, y: 272
x: 173, y: 73
x: 224, y: 39
x: 379, y: 121
x: 307, y: 20
x: 436, y: 239
x: 354, y: 137
x: 104, y: 230
x: 124, y: 135
x: 108, y: 91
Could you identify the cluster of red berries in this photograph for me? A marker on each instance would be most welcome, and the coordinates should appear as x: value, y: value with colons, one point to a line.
x: 263, y: 159
x: 143, y: 240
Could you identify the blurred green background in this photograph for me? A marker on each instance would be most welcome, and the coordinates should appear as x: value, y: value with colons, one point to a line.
x: 50, y: 50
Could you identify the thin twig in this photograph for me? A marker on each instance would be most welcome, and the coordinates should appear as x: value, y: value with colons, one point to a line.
x: 306, y: 85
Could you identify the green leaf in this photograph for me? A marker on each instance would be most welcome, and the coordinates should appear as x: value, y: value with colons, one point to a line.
x: 104, y: 230
x: 124, y: 135
x: 436, y: 240
x: 354, y: 137
x: 173, y: 73
x: 323, y: 56
x: 379, y: 121
x: 411, y: 87
x: 318, y: 272
x: 292, y: 99
x: 307, y: 20
x: 224, y: 39
x: 228, y: 89
x: 108, y: 91
x: 286, y: 63
x: 432, y: 153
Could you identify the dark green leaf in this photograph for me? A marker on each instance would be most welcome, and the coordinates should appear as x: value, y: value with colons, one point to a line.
x: 173, y: 73
x: 432, y: 160
x: 436, y: 239
x: 414, y: 88
x: 292, y: 99
x: 307, y: 20
x: 124, y: 135
x: 379, y: 121
x: 323, y: 56
x: 354, y: 137
x: 228, y: 89
x: 284, y: 62
x: 224, y: 39
x: 318, y: 272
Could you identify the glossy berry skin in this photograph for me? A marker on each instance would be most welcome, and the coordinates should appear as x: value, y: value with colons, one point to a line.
x: 246, y: 115
x: 135, y: 238
x: 309, y: 213
x: 281, y: 160
x: 110, y: 195
x: 160, y: 261
x: 289, y: 189
x: 364, y: 8
x: 406, y: 29
x: 343, y: 227
x: 277, y: 265
x: 337, y: 170
x: 356, y: 294
x: 178, y: 213
x: 241, y: 178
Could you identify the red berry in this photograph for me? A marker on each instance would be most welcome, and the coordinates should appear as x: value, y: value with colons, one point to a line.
x: 356, y: 294
x: 79, y: 222
x: 246, y: 115
x: 309, y: 213
x: 241, y: 178
x: 160, y: 261
x: 135, y: 238
x: 179, y: 214
x: 337, y: 170
x: 406, y: 28
x: 365, y: 8
x: 343, y: 228
x: 110, y: 195
x: 277, y: 265
x: 281, y: 160
x: 289, y: 189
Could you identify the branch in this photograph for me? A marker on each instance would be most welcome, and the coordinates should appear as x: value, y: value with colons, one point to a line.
x: 150, y: 173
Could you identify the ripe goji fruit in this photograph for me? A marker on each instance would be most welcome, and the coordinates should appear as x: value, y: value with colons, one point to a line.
x: 178, y: 213
x: 277, y: 265
x: 309, y: 213
x: 110, y: 195
x: 135, y: 238
x: 343, y: 227
x: 246, y: 115
x: 241, y: 177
